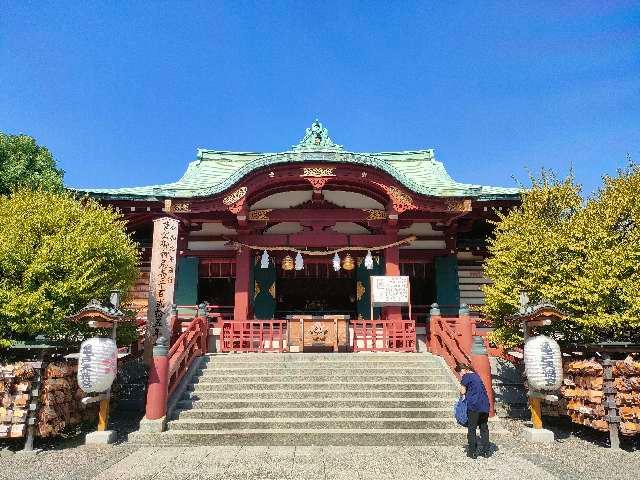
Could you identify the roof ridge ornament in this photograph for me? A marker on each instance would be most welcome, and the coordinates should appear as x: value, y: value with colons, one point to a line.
x: 316, y: 138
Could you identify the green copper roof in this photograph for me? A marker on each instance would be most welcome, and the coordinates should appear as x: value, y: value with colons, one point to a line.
x: 215, y: 171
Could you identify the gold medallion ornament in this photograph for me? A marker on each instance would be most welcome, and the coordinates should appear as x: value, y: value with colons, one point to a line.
x: 375, y: 214
x: 256, y: 289
x: 348, y: 263
x: 287, y: 263
x: 235, y: 196
x: 318, y: 172
x: 272, y: 289
x: 257, y: 215
x: 360, y: 290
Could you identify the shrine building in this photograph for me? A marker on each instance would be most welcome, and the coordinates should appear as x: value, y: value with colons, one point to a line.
x: 298, y: 234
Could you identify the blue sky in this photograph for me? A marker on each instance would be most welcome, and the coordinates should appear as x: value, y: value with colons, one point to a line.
x: 124, y: 92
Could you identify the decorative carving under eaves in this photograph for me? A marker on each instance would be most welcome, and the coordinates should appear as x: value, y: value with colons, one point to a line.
x: 401, y: 200
x: 458, y: 205
x: 318, y: 172
x: 258, y: 215
x: 235, y: 196
x: 317, y: 205
x: 181, y: 207
x: 317, y: 183
x: 374, y: 214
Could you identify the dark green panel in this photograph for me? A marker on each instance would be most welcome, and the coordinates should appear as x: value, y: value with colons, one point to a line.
x: 263, y: 291
x: 447, y: 286
x: 187, y: 281
x: 363, y: 287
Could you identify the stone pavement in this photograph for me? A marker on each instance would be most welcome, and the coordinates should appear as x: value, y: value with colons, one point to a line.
x: 317, y: 463
x: 264, y: 463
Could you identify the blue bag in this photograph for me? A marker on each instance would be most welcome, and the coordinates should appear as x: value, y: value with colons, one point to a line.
x: 460, y: 411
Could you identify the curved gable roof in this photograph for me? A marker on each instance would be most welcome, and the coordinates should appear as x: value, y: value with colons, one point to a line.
x: 216, y: 171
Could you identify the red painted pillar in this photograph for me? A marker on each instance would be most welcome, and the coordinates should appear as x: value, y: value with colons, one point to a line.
x: 158, y: 381
x: 464, y: 329
x: 241, y: 299
x: 482, y: 366
x: 392, y: 267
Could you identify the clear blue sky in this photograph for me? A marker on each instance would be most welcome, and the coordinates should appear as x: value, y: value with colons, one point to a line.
x: 123, y: 92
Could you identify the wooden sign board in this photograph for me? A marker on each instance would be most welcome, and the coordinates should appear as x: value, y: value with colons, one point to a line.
x: 163, y: 275
x: 389, y: 291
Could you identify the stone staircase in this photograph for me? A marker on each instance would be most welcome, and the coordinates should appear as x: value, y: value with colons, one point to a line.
x: 315, y: 399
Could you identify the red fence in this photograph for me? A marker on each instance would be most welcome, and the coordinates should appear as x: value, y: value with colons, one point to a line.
x: 383, y: 336
x: 253, y: 336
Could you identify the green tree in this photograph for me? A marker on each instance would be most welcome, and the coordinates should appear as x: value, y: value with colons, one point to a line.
x: 56, y: 254
x: 23, y: 163
x: 584, y: 257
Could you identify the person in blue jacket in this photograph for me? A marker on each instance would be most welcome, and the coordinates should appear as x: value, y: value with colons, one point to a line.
x: 477, y: 408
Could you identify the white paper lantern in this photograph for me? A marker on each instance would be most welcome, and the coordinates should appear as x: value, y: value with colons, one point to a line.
x: 97, y: 364
x: 543, y: 363
x: 299, y: 262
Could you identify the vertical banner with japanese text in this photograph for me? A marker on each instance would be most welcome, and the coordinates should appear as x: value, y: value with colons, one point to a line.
x: 163, y: 275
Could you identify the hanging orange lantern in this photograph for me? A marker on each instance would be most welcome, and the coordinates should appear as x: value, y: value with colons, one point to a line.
x: 348, y: 263
x: 287, y: 263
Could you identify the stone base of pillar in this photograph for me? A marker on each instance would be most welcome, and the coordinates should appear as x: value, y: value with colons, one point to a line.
x: 153, y: 426
x: 538, y: 435
x: 104, y: 437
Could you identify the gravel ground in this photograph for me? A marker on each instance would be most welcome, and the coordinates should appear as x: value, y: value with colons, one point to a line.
x: 578, y: 453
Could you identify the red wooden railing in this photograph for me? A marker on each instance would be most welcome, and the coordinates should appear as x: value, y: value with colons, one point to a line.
x: 192, y: 343
x: 253, y: 336
x: 383, y: 336
x: 444, y: 341
x: 217, y: 313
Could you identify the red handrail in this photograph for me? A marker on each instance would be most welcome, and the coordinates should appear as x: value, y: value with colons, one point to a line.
x: 444, y: 342
x: 192, y: 343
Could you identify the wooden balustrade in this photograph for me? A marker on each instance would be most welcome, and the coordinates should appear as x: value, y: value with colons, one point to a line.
x: 254, y: 336
x: 444, y: 342
x: 383, y: 336
x: 191, y: 343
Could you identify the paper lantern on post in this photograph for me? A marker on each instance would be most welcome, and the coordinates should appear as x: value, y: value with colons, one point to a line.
x: 97, y: 364
x: 543, y: 363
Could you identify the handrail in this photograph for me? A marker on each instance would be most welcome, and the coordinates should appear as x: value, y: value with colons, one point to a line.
x: 192, y: 343
x: 446, y: 343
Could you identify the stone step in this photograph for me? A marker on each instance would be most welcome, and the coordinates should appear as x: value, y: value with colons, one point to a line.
x: 317, y: 394
x: 345, y: 412
x: 323, y: 402
x: 323, y: 386
x: 302, y: 437
x: 313, y: 357
x: 204, y: 424
x: 333, y: 372
x: 323, y: 377
x: 232, y: 366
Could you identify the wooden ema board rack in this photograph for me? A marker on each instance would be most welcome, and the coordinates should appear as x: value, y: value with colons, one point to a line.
x: 599, y: 394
